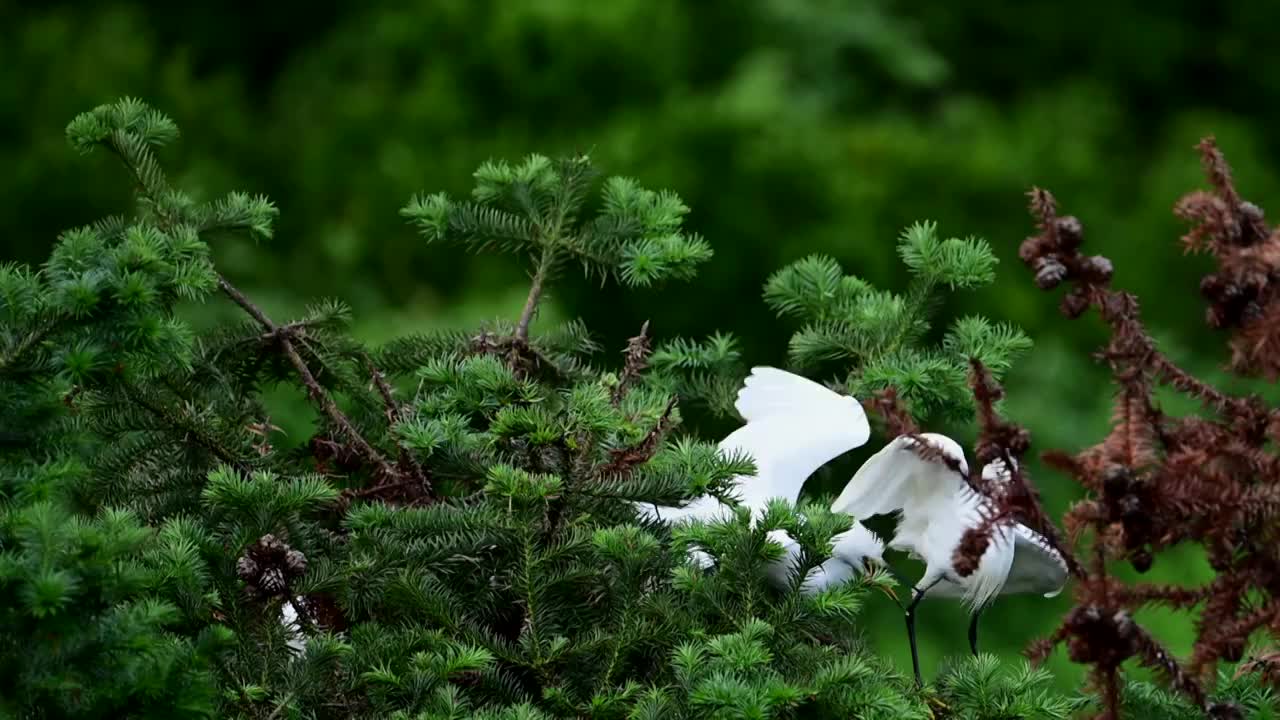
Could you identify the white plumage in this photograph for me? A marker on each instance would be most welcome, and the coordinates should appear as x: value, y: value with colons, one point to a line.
x: 851, y: 550
x: 297, y: 640
x: 937, y: 506
x: 794, y: 426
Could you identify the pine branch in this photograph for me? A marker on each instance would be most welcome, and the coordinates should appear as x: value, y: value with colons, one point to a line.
x: 896, y: 417
x: 626, y: 458
x: 394, y: 413
x: 29, y: 342
x: 637, y: 360
x: 535, y: 295
x: 284, y: 339
x: 190, y: 429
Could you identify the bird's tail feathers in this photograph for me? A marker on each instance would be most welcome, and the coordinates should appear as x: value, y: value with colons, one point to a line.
x: 993, y: 570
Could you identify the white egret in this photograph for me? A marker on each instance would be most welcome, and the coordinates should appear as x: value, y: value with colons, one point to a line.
x: 297, y: 639
x: 852, y: 551
x: 937, y: 506
x: 794, y: 426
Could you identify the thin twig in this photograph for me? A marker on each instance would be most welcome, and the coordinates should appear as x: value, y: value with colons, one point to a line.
x: 28, y: 342
x: 535, y: 295
x: 283, y: 336
x: 394, y: 413
x: 626, y: 458
x: 377, y: 489
x: 637, y: 359
x: 384, y: 389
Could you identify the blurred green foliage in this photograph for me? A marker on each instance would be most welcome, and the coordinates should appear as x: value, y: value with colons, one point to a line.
x: 791, y: 127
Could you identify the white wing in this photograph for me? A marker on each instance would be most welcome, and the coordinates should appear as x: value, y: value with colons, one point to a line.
x: 794, y: 426
x: 780, y: 570
x: 857, y: 544
x: 849, y: 549
x: 703, y: 508
x: 769, y: 392
x: 1037, y: 568
x: 897, y: 477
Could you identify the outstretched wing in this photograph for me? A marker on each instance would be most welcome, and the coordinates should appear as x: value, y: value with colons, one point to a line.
x: 706, y: 507
x: 898, y: 477
x: 769, y: 392
x: 794, y: 426
x: 1018, y: 560
x: 1037, y: 567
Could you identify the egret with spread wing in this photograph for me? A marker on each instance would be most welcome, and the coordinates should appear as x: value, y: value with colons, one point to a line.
x: 929, y: 486
x: 794, y: 426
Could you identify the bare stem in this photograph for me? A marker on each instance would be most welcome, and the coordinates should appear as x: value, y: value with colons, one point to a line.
x: 394, y: 413
x: 384, y: 389
x: 535, y: 294
x: 637, y: 354
x: 283, y: 336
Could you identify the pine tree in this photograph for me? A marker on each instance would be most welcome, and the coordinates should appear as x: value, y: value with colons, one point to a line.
x: 457, y: 537
x: 877, y: 337
x: 96, y: 606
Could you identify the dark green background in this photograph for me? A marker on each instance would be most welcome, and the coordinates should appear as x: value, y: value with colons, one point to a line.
x: 789, y: 126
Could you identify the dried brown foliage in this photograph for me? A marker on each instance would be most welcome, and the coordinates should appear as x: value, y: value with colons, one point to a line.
x: 623, y: 460
x: 1242, y: 293
x: 1014, y: 499
x: 637, y: 361
x: 1156, y: 481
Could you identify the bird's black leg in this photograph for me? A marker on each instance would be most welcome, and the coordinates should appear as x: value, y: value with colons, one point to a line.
x: 917, y: 596
x: 973, y: 632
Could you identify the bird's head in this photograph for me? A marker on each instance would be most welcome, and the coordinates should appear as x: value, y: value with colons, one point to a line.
x: 951, y: 453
